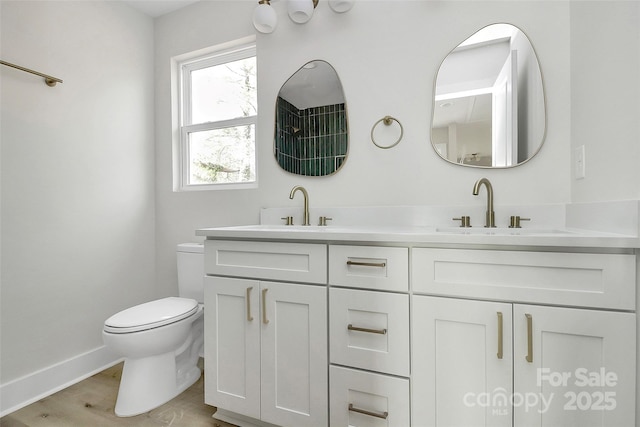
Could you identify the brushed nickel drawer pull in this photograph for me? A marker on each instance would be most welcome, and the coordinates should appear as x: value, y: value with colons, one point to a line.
x: 249, y: 316
x: 383, y: 415
x: 368, y: 264
x: 264, y: 306
x: 371, y: 331
x: 500, y: 335
x: 529, y: 338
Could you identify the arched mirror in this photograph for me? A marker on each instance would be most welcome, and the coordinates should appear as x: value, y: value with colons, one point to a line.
x: 311, y: 130
x: 489, y: 104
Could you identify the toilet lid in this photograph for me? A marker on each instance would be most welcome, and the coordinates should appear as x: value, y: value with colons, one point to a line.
x: 151, y: 315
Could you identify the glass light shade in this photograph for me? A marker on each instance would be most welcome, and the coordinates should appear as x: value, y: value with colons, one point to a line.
x: 341, y: 6
x: 265, y: 18
x: 300, y: 11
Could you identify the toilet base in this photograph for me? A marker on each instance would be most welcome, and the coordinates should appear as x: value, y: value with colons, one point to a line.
x: 150, y: 382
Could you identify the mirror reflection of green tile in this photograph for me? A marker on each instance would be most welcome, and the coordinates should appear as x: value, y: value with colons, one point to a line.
x: 312, y: 141
x: 311, y: 130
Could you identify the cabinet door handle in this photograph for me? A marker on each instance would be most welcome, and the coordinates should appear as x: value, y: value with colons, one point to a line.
x: 500, y: 335
x: 264, y: 306
x: 529, y: 338
x: 249, y: 316
x: 371, y: 331
x: 367, y: 264
x: 383, y: 415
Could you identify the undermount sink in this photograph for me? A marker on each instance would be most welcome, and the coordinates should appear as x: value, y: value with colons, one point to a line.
x: 500, y: 231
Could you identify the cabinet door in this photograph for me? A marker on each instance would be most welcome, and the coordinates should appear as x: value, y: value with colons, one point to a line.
x: 232, y: 345
x: 573, y: 367
x: 294, y: 354
x: 461, y: 362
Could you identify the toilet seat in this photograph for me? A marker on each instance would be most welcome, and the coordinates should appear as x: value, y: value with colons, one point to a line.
x: 151, y: 315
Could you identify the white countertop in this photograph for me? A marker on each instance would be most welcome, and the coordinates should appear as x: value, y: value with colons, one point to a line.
x: 426, y: 235
x: 607, y: 225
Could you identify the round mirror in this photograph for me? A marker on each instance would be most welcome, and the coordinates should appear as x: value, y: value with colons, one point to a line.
x: 311, y: 130
x: 489, y: 104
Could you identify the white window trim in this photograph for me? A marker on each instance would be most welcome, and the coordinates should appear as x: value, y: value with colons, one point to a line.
x: 181, y: 66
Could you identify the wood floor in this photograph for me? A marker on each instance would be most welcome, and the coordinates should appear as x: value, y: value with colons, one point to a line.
x: 90, y: 404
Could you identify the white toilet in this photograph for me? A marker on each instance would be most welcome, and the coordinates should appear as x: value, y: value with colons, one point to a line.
x: 160, y: 340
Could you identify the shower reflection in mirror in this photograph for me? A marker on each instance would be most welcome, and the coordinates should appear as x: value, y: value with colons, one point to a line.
x: 489, y: 104
x: 311, y: 129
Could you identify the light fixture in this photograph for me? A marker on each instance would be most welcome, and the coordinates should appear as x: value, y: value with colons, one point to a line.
x: 341, y: 6
x: 300, y: 11
x: 264, y: 17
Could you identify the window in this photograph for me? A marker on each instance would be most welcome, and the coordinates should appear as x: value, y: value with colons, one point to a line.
x: 218, y: 113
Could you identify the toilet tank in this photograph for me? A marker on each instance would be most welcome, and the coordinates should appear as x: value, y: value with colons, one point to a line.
x: 191, y: 271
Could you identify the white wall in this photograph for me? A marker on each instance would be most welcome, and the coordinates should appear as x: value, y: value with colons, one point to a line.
x: 77, y: 177
x: 605, y: 98
x: 386, y: 54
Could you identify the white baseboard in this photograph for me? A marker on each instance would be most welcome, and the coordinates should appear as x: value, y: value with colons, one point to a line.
x: 23, y: 391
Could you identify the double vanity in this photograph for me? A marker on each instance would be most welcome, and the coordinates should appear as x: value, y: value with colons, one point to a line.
x: 425, y: 316
x: 421, y: 325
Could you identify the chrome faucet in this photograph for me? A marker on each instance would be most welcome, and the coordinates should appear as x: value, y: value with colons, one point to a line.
x: 490, y: 220
x: 306, y: 202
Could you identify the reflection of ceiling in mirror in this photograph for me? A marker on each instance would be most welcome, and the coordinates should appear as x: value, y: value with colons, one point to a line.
x: 468, y: 102
x: 471, y: 71
x: 465, y: 83
x: 313, y: 85
x: 469, y: 109
x: 490, y: 34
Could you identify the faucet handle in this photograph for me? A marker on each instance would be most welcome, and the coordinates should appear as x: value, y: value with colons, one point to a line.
x: 514, y: 221
x: 465, y: 221
x: 322, y: 221
x: 288, y: 220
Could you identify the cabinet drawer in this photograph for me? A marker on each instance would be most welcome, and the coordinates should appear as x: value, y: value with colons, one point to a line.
x: 295, y: 262
x: 365, y: 399
x: 572, y: 279
x: 369, y: 267
x: 369, y: 330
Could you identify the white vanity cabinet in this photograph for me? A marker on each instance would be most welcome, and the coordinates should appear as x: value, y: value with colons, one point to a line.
x: 485, y: 363
x: 369, y: 336
x: 266, y: 341
x: 324, y: 328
